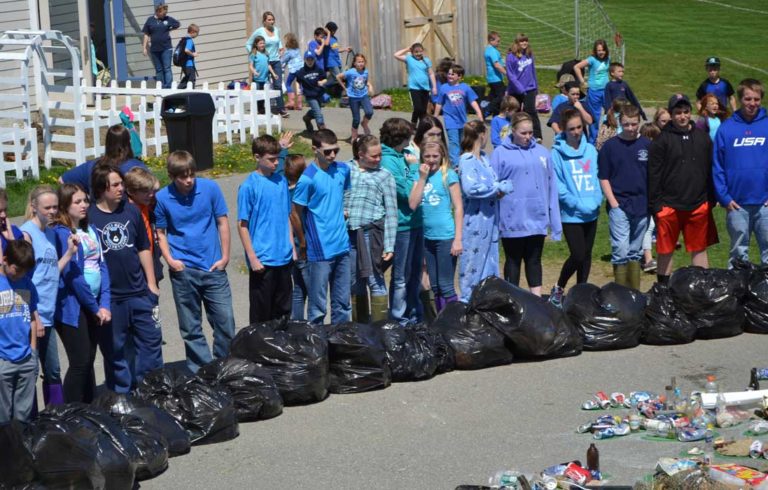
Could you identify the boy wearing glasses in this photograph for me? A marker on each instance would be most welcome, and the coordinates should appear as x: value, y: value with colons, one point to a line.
x: 319, y: 201
x: 263, y: 210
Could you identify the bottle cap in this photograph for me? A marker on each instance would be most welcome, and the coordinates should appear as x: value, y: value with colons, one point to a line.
x: 711, y: 377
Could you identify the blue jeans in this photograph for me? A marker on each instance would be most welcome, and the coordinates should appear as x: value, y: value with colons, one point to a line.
x: 741, y: 223
x: 315, y: 109
x: 131, y: 322
x: 277, y: 84
x: 626, y: 236
x: 405, y: 283
x: 300, y: 275
x: 163, y: 65
x: 360, y: 285
x: 335, y: 272
x: 355, y: 103
x: 441, y: 266
x: 192, y: 289
x: 594, y: 106
x: 49, y: 357
x: 454, y: 145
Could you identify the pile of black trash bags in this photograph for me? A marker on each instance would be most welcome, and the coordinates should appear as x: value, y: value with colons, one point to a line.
x: 119, y: 440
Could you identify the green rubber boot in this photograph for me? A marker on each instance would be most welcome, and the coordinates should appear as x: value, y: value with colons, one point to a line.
x: 634, y: 271
x: 620, y: 274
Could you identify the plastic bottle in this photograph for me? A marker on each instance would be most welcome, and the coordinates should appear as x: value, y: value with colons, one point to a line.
x: 681, y: 404
x: 709, y: 445
x: 593, y: 458
x: 504, y: 478
x: 711, y: 385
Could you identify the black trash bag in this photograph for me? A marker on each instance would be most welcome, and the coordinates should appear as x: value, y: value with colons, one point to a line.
x: 756, y: 297
x: 17, y: 468
x: 666, y: 324
x: 251, y: 386
x: 206, y: 413
x: 171, y: 430
x: 712, y: 298
x: 358, y: 360
x: 608, y: 318
x: 294, y: 353
x: 474, y: 343
x: 534, y: 327
x: 446, y: 360
x: 410, y: 351
x: 117, y: 455
x: 149, y: 442
x: 66, y: 453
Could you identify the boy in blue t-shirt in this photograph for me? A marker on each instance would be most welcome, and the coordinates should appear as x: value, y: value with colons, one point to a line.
x: 263, y: 213
x: 19, y: 328
x: 319, y: 46
x: 333, y: 63
x: 452, y: 100
x: 189, y: 70
x: 193, y: 236
x: 494, y: 73
x: 319, y: 201
x: 714, y: 84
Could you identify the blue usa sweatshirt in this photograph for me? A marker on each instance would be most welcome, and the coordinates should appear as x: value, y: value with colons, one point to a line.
x: 577, y: 183
x: 740, y: 160
x: 532, y: 206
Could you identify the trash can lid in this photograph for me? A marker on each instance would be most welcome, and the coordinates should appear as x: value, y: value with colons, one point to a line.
x: 194, y: 103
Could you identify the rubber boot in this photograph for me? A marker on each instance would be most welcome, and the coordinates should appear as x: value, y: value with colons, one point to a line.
x: 299, y: 102
x: 428, y: 304
x: 53, y: 394
x: 620, y: 274
x: 634, y: 271
x: 291, y: 101
x: 450, y: 299
x: 379, y: 308
x: 439, y: 303
x: 360, y: 309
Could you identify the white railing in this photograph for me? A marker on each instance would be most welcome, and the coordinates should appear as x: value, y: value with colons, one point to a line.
x: 236, y: 114
x: 18, y: 153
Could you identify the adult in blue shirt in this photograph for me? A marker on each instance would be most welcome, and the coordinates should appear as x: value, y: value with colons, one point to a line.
x: 117, y: 152
x: 274, y: 46
x: 193, y: 235
x: 494, y: 73
x: 157, y: 42
x: 319, y: 200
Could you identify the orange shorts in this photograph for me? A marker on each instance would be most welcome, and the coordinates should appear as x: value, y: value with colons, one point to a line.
x: 698, y: 227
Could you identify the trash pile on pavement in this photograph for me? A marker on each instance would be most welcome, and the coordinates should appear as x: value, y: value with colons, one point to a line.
x: 121, y: 439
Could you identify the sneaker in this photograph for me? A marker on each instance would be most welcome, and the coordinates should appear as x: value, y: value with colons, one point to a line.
x: 308, y: 122
x: 285, y: 114
x: 650, y: 266
x: 556, y: 296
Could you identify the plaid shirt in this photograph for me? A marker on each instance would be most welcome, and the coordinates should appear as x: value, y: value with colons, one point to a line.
x: 371, y: 197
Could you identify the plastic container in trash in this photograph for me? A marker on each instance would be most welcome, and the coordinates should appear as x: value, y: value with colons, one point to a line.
x: 188, y: 119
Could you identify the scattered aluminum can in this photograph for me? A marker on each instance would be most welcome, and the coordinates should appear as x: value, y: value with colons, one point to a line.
x: 590, y: 405
x: 756, y: 449
x: 691, y: 434
x: 759, y: 427
x: 762, y: 374
x: 584, y: 428
x: 603, y: 400
x: 556, y: 470
x: 606, y: 433
x: 618, y: 399
x: 622, y: 429
x: 577, y: 474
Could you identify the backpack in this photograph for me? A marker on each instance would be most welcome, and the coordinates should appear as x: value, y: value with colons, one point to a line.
x: 180, y: 55
x: 543, y: 103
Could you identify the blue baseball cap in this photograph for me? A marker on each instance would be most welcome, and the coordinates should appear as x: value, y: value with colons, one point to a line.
x: 310, y: 54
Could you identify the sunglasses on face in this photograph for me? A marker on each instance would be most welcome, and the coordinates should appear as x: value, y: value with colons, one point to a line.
x: 330, y: 151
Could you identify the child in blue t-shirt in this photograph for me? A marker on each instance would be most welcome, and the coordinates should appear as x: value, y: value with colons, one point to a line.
x: 500, y: 123
x: 421, y: 78
x: 319, y: 201
x: 189, y: 70
x: 259, y: 68
x: 435, y: 190
x: 19, y: 328
x: 292, y: 61
x: 355, y: 81
x: 263, y: 210
x: 452, y: 100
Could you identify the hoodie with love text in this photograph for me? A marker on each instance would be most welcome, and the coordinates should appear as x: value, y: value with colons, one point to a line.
x: 577, y: 184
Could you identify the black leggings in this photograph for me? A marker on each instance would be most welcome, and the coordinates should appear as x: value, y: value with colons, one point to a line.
x: 420, y: 100
x: 528, y: 104
x: 80, y: 344
x: 497, y: 91
x: 517, y: 250
x: 580, y: 238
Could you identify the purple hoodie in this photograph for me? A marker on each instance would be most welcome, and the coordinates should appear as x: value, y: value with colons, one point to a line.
x: 521, y: 73
x: 533, y: 205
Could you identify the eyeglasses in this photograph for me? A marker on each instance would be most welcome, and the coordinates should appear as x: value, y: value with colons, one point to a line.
x: 328, y: 151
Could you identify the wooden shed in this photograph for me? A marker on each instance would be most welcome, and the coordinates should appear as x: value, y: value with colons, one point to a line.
x: 378, y: 28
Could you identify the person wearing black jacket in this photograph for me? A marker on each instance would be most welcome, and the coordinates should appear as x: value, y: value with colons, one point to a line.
x: 680, y: 192
x: 312, y: 80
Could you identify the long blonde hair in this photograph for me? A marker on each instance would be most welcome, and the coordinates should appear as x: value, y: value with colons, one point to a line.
x: 436, y: 142
x: 34, y: 196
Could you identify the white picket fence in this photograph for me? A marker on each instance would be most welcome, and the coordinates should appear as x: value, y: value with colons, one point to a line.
x: 19, y: 146
x: 236, y: 118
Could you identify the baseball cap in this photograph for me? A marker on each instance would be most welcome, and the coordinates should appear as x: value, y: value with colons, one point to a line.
x: 713, y: 61
x: 310, y: 54
x: 565, y: 78
x: 677, y: 100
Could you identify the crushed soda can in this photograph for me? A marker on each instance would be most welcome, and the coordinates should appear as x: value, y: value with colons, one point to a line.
x: 618, y: 399
x: 622, y: 429
x: 759, y: 427
x: 636, y: 397
x: 545, y: 482
x: 577, y: 474
x: 762, y: 373
x: 555, y: 470
x: 590, y: 405
x: 603, y: 400
x: 691, y: 434
x: 606, y: 433
x: 756, y: 450
x: 584, y: 428
x: 596, y: 475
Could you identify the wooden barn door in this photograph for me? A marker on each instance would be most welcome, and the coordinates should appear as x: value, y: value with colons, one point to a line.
x: 432, y: 23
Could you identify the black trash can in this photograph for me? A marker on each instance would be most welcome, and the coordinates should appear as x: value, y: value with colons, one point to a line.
x: 188, y: 119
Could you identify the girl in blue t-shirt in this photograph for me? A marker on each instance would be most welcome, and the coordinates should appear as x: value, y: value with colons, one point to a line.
x: 598, y: 67
x: 421, y: 78
x: 292, y: 62
x: 436, y: 189
x: 355, y: 81
x: 711, y: 114
x: 259, y: 68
